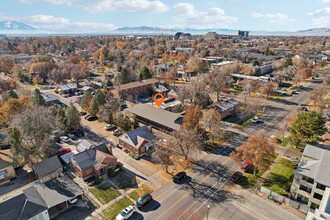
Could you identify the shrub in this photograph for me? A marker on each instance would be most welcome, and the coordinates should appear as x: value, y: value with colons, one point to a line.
x: 112, y: 173
x: 133, y: 155
x: 56, y: 91
x: 97, y: 180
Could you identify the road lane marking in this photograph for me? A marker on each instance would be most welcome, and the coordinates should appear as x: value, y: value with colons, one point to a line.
x: 185, y: 195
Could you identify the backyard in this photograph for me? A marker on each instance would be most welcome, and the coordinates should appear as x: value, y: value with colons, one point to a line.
x: 279, y: 180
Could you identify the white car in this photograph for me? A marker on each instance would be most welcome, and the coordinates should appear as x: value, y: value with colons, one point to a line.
x: 64, y: 139
x: 255, y: 120
x: 126, y: 213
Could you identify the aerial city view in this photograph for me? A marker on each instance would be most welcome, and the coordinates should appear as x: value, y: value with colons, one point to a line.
x: 165, y: 110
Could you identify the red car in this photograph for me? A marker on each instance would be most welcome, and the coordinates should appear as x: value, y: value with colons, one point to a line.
x: 246, y: 165
x: 63, y: 151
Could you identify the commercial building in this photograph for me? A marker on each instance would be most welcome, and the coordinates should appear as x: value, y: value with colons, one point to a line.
x: 243, y: 34
x: 323, y: 212
x: 312, y: 176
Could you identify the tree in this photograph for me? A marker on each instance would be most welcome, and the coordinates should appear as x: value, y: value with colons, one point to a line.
x: 12, y: 107
x: 37, y: 98
x: 108, y: 109
x: 98, y: 100
x: 250, y: 86
x: 218, y: 80
x: 145, y: 73
x: 60, y: 120
x: 15, y: 142
x: 268, y: 88
x: 107, y: 84
x: 259, y: 149
x: 211, y: 122
x: 12, y: 94
x: 101, y: 59
x: 194, y: 93
x: 192, y: 117
x: 185, y: 142
x: 86, y: 101
x: 317, y: 95
x: 194, y: 64
x: 72, y: 116
x: 161, y: 155
x: 255, y: 62
x: 37, y: 80
x: 307, y: 127
x: 122, y: 121
x: 288, y: 62
x: 123, y: 77
x: 34, y: 141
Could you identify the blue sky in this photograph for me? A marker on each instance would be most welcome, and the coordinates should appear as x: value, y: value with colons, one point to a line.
x: 103, y: 15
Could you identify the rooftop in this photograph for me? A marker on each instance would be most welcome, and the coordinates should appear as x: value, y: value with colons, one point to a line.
x: 135, y: 84
x: 157, y: 115
x: 47, y: 166
x: 134, y: 137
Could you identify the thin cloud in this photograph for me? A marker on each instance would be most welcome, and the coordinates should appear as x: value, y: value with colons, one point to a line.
x: 320, y: 17
x: 274, y: 18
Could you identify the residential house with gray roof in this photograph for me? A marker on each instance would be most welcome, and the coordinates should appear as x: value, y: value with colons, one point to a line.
x: 137, y: 141
x: 48, y: 169
x: 312, y: 175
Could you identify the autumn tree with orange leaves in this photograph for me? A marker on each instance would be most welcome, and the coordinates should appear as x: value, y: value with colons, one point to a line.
x: 192, y: 117
x: 259, y: 149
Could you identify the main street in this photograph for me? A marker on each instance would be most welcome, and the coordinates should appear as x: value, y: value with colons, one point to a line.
x: 208, y: 181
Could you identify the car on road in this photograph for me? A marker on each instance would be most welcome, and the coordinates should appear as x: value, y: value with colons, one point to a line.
x: 143, y: 201
x: 110, y: 127
x: 91, y: 118
x: 236, y: 177
x: 64, y: 139
x: 63, y: 151
x: 126, y: 213
x: 246, y: 165
x: 117, y: 132
x: 178, y: 177
x: 83, y: 113
x: 255, y: 120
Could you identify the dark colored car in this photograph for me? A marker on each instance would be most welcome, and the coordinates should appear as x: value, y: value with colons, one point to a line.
x: 178, y: 177
x: 91, y: 118
x: 143, y: 201
x: 63, y: 151
x: 78, y: 133
x: 72, y: 136
x: 83, y: 113
x: 246, y: 165
x: 236, y: 177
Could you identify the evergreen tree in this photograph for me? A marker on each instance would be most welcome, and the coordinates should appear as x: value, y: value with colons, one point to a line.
x: 86, y: 101
x: 288, y: 62
x: 37, y: 98
x: 60, y: 120
x: 307, y: 127
x: 123, y: 77
x: 15, y: 141
x: 12, y: 94
x: 99, y: 97
x: 72, y: 118
x: 145, y: 73
x: 107, y: 84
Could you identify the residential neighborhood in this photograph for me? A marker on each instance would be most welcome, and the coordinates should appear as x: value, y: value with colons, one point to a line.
x: 163, y: 123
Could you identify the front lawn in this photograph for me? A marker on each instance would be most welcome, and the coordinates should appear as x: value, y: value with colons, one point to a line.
x: 284, y: 141
x: 104, y: 194
x: 112, y: 211
x: 141, y: 191
x: 249, y: 180
x: 279, y: 179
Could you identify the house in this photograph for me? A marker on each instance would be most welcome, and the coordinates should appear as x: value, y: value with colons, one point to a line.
x: 323, y: 212
x: 41, y: 201
x: 226, y: 108
x: 220, y: 64
x: 160, y: 68
x: 160, y: 89
x: 137, y: 141
x: 96, y: 161
x: 50, y: 99
x: 134, y: 89
x: 156, y: 117
x: 7, y: 171
x: 312, y: 176
x: 67, y: 88
x: 172, y: 94
x: 48, y: 169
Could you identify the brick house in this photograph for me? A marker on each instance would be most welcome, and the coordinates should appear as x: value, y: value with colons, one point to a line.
x: 134, y: 89
x: 137, y: 141
x: 226, y: 108
x: 96, y: 161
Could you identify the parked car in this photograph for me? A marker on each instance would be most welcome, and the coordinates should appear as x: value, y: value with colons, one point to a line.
x: 246, y: 165
x: 117, y: 132
x: 143, y: 201
x: 236, y: 177
x: 64, y: 139
x: 78, y: 133
x: 83, y: 113
x: 255, y: 120
x: 91, y: 118
x: 72, y: 136
x: 126, y: 213
x: 178, y: 177
x: 87, y: 116
x: 63, y: 151
x: 110, y: 127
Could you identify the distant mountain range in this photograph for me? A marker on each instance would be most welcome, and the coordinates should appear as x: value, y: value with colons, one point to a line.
x: 18, y: 28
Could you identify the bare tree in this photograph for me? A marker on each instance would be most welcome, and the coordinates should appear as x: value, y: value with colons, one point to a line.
x: 317, y: 95
x: 107, y: 110
x: 161, y: 155
x: 218, y: 80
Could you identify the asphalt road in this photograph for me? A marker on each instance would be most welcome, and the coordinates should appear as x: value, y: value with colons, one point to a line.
x: 208, y: 181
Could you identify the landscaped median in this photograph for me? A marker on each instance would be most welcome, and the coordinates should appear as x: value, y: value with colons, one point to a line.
x: 105, y: 194
x: 113, y: 210
x: 279, y: 180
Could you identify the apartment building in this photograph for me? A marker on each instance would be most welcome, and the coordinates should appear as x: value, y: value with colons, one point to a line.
x: 312, y: 175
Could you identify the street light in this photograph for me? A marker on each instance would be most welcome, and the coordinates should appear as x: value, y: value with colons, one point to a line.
x: 207, y: 215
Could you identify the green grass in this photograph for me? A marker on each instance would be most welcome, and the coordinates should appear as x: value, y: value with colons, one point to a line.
x: 134, y: 195
x: 249, y: 180
x: 141, y: 191
x: 104, y: 195
x: 283, y: 142
x: 279, y: 179
x: 112, y: 211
